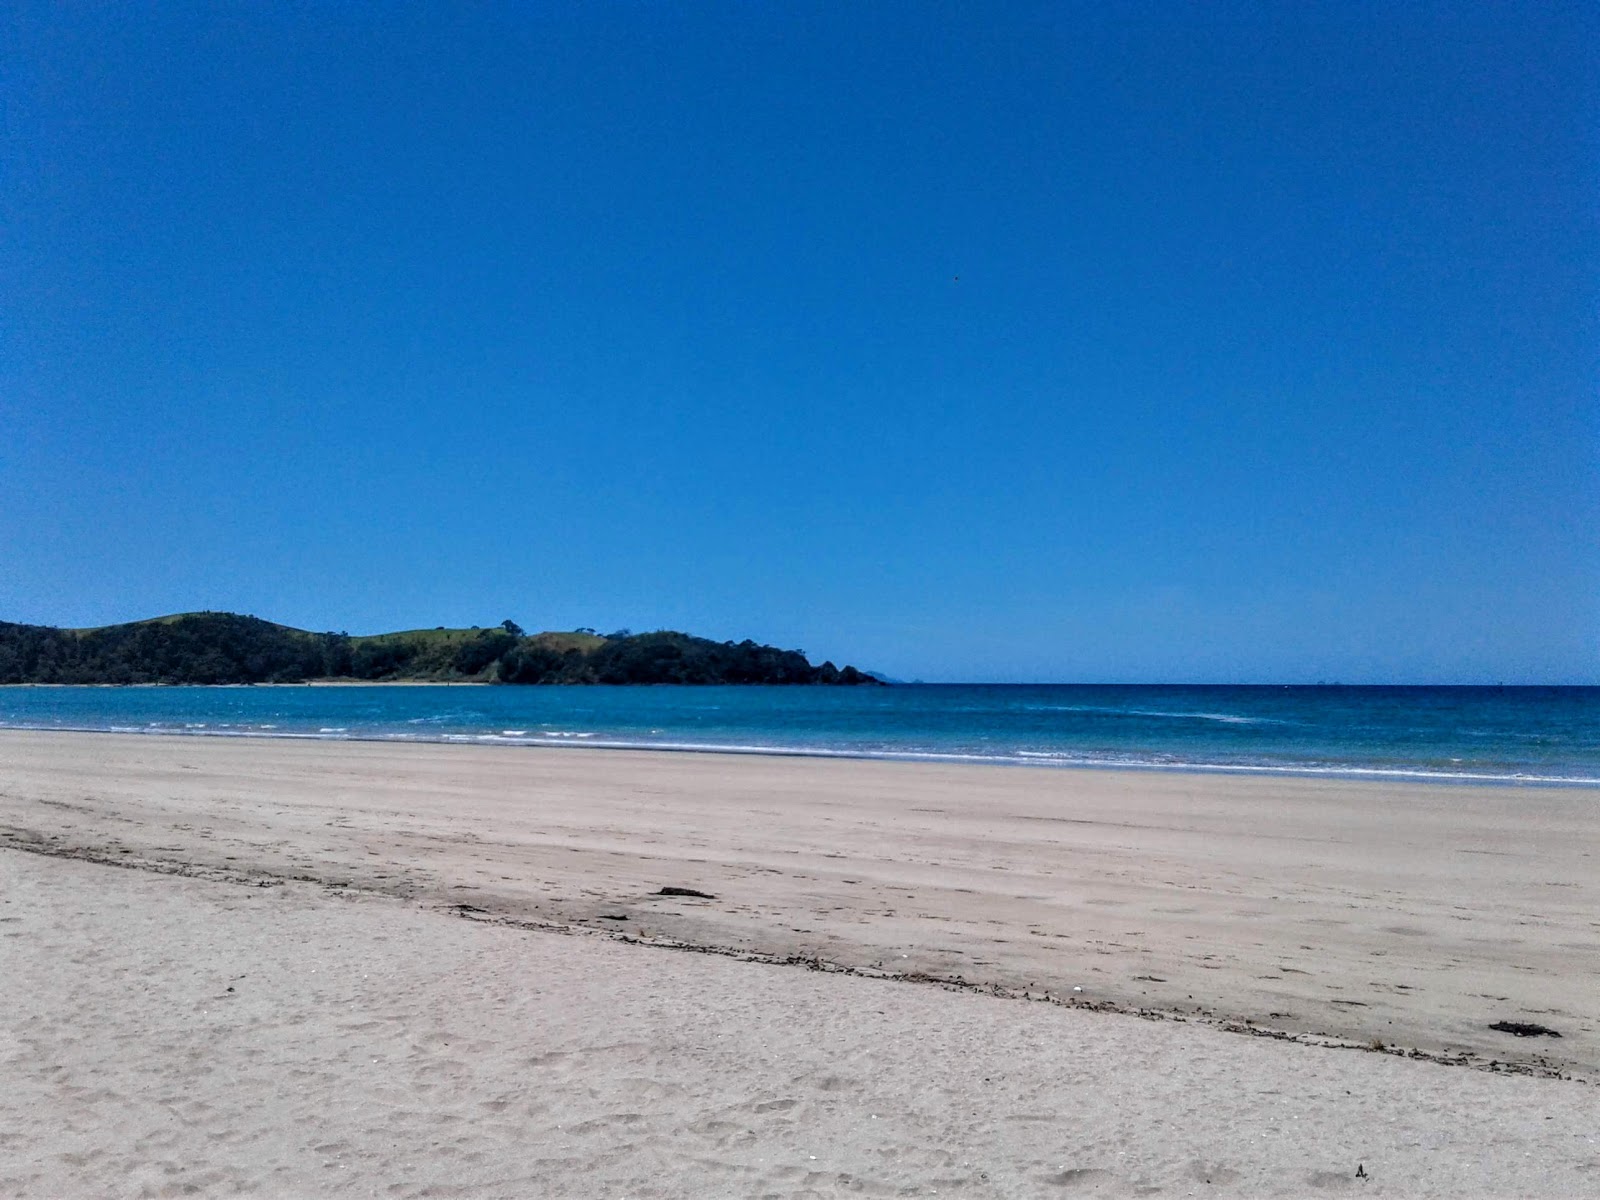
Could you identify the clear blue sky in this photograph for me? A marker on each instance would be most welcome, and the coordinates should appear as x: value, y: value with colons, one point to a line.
x: 1077, y: 342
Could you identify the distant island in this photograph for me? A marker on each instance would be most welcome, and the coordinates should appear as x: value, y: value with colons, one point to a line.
x: 226, y: 648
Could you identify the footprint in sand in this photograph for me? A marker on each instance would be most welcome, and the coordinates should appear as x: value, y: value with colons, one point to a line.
x: 1216, y: 1175
x: 1331, y: 1180
x: 1079, y: 1178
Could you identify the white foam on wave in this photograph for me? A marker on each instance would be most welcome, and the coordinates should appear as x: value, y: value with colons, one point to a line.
x: 1111, y: 711
x: 1064, y: 760
x: 1225, y: 718
x: 1023, y: 758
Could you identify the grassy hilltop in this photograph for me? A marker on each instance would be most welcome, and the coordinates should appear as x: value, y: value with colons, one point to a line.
x: 215, y: 648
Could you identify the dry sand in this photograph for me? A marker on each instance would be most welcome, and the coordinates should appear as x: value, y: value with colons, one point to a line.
x: 375, y: 1042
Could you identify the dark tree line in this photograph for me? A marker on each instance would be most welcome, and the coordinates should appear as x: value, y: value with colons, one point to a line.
x: 668, y: 657
x: 217, y: 648
x: 200, y: 648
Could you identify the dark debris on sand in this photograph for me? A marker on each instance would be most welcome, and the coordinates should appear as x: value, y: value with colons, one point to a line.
x: 1524, y: 1029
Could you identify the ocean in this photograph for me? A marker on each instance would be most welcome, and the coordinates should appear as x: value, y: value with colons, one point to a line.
x: 1524, y: 734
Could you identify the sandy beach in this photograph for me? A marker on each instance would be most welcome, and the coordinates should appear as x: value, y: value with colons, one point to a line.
x: 432, y: 969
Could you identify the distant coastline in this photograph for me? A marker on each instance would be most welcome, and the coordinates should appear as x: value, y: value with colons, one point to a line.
x: 210, y: 648
x: 293, y: 683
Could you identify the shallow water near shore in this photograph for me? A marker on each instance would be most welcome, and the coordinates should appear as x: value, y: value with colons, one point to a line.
x: 1535, y: 735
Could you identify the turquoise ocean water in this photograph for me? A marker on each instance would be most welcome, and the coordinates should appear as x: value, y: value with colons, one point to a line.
x: 1536, y: 735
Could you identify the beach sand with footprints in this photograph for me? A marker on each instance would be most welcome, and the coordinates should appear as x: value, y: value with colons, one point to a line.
x: 299, y: 967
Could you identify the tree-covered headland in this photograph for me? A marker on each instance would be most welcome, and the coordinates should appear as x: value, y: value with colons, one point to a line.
x: 226, y: 648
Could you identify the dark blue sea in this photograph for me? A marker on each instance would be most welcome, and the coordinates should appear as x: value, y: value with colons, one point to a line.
x: 1533, y: 735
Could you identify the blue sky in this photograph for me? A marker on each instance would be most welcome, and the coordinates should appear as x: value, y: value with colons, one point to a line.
x: 1069, y: 342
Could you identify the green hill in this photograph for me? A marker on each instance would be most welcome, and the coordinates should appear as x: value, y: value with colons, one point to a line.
x: 226, y: 648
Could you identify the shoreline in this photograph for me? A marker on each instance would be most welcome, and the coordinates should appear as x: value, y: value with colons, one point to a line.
x: 1312, y: 909
x: 573, y: 741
